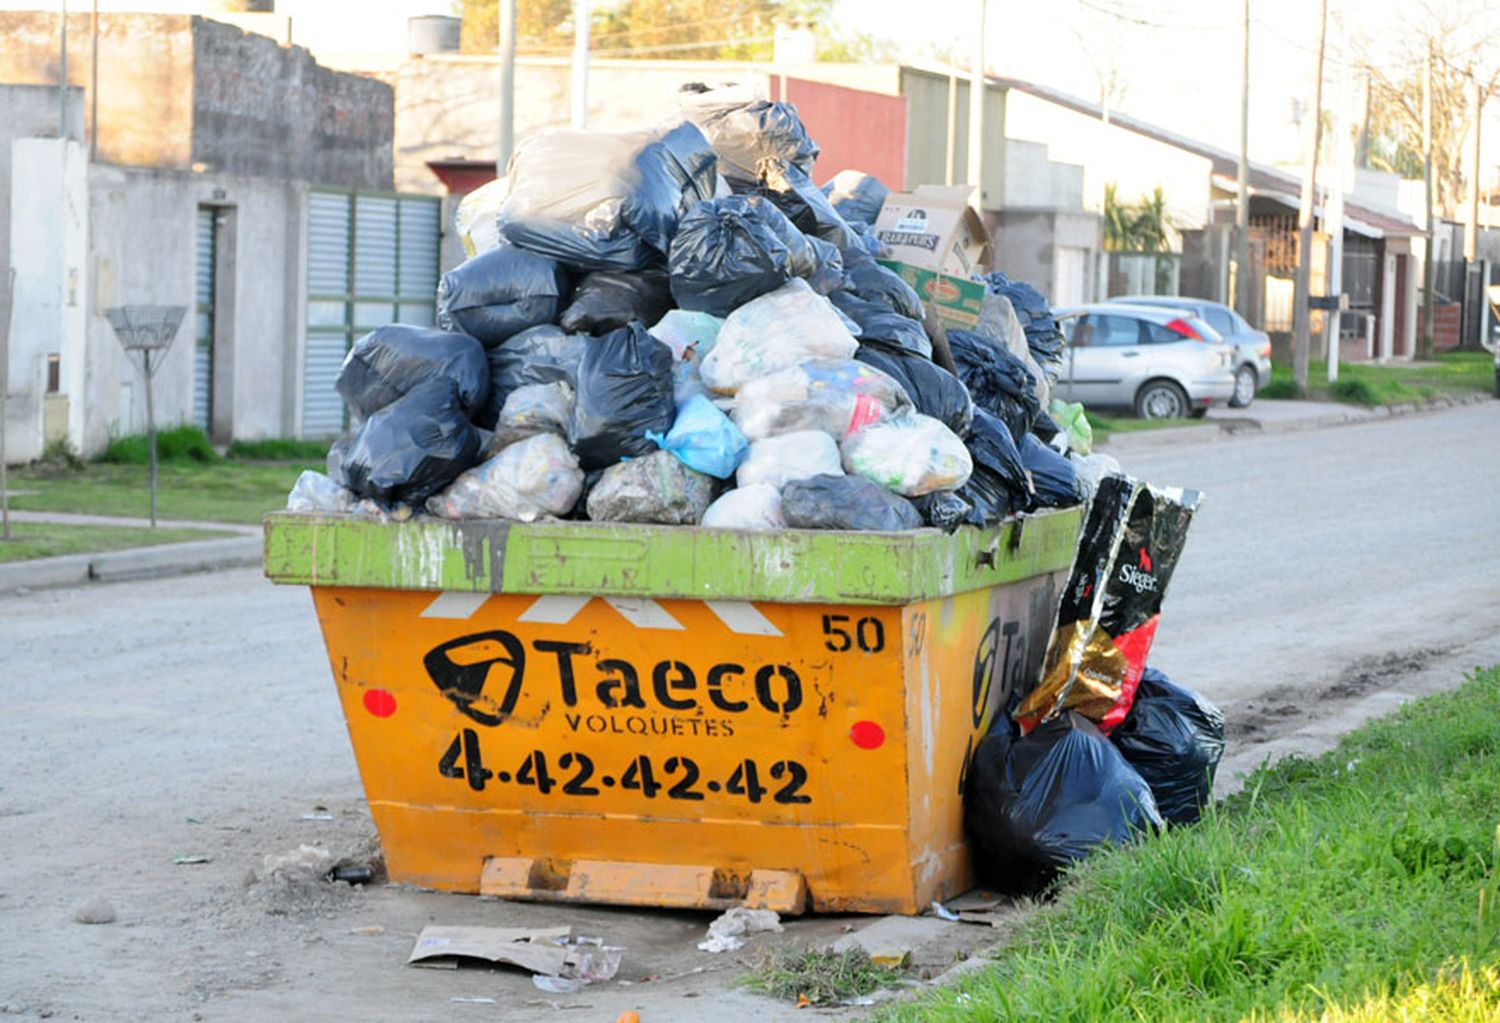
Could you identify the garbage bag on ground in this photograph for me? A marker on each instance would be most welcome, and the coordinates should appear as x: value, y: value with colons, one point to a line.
x: 476, y: 219
x: 997, y: 381
x: 411, y: 448
x: 1035, y: 805
x: 998, y: 485
x: 878, y: 324
x: 748, y: 133
x: 624, y: 392
x: 541, y: 355
x: 729, y: 251
x: 607, y: 300
x: 1129, y: 548
x: 846, y: 502
x: 389, y: 361
x: 912, y: 455
x: 944, y: 509
x: 837, y: 396
x: 782, y: 328
x: 857, y: 196
x: 497, y: 294
x: 528, y: 480
x: 1053, y: 479
x: 1090, y: 469
x: 1070, y: 417
x: 756, y: 507
x: 1043, y: 336
x: 530, y: 410
x: 933, y: 390
x: 316, y: 494
x: 657, y: 488
x: 792, y: 456
x: 704, y: 439
x: 1173, y: 737
x: 672, y: 173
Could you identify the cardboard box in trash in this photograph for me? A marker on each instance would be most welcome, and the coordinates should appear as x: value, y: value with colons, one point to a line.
x: 938, y: 242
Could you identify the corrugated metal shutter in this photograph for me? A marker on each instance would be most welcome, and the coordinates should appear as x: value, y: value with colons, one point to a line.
x: 203, y: 332
x: 328, y: 263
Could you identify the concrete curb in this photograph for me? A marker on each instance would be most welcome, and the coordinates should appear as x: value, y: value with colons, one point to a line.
x: 134, y: 563
x: 1231, y: 428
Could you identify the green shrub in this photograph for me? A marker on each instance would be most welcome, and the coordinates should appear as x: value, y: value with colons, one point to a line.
x: 278, y: 449
x: 1281, y: 389
x: 179, y: 444
x: 1354, y: 390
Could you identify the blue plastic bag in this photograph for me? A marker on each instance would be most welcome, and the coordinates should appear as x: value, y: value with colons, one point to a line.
x: 703, y: 438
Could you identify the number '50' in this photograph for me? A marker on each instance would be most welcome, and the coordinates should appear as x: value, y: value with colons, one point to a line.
x: 868, y: 633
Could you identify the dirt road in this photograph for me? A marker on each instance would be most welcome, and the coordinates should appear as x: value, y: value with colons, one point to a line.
x: 1331, y: 575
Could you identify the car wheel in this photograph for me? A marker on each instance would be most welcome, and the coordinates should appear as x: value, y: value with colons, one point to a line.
x: 1244, y: 387
x: 1161, y: 399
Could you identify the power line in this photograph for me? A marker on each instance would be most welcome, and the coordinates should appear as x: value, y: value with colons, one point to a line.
x: 1147, y: 23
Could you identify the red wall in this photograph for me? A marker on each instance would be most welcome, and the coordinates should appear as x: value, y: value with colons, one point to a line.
x: 856, y: 130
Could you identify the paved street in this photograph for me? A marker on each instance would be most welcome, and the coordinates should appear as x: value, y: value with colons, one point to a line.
x: 1330, y: 574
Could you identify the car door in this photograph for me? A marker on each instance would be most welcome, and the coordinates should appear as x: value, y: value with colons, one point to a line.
x: 1105, y: 361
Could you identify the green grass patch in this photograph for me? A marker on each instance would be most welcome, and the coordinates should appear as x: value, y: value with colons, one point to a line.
x: 1452, y: 374
x: 821, y: 976
x: 179, y: 444
x: 1104, y: 425
x: 50, y: 539
x: 278, y: 449
x: 1339, y: 888
x: 222, y: 491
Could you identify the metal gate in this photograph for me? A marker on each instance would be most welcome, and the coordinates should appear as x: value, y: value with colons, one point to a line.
x: 372, y: 259
x: 203, y: 331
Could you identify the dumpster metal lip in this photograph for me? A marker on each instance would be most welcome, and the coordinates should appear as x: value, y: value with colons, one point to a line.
x: 797, y: 566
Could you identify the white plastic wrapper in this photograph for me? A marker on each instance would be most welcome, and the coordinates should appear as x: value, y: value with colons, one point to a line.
x: 836, y: 396
x: 912, y: 456
x: 779, y: 329
x: 757, y: 506
x: 791, y: 456
x: 533, y: 409
x: 1090, y: 469
x: 533, y: 478
x: 476, y: 220
x: 316, y: 494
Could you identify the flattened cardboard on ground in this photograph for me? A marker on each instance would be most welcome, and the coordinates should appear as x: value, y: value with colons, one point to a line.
x: 529, y: 948
x: 938, y: 242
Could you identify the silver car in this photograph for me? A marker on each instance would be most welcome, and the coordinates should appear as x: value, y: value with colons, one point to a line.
x: 1252, y: 348
x: 1161, y: 363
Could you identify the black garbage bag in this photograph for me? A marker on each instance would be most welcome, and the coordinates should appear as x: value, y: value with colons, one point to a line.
x: 607, y: 300
x: 734, y: 249
x: 1173, y: 737
x: 805, y: 205
x: 828, y: 271
x: 997, y: 381
x: 991, y: 447
x: 411, y: 448
x: 857, y: 196
x: 541, y: 355
x: 1043, y: 336
x: 933, y: 390
x: 389, y: 361
x: 672, y: 173
x: 943, y: 509
x: 624, y: 392
x: 1052, y: 475
x: 870, y: 244
x: 876, y: 323
x: 499, y: 293
x: 846, y: 502
x: 1045, y: 427
x: 1035, y: 805
x: 749, y: 135
x: 874, y: 283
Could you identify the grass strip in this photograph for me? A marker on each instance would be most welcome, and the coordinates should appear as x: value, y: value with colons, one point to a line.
x: 50, y: 539
x: 1453, y: 374
x: 221, y: 491
x: 1360, y: 885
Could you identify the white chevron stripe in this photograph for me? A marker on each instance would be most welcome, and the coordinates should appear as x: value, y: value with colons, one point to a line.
x: 644, y: 614
x: 743, y: 617
x: 554, y: 609
x: 455, y: 604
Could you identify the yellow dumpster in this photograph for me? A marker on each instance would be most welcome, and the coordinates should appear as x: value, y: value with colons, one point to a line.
x: 674, y: 716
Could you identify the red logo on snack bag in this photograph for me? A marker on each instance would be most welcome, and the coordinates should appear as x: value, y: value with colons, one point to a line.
x: 866, y: 411
x: 1145, y: 560
x: 940, y: 289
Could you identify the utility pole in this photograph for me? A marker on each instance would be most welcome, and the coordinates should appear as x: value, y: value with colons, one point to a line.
x: 949, y: 158
x: 1429, y: 269
x: 506, y: 140
x: 580, y: 64
x: 976, y: 109
x: 1243, y: 287
x: 62, y: 76
x: 1342, y: 157
x: 5, y: 320
x: 1301, y: 313
x: 1471, y: 229
x: 94, y: 86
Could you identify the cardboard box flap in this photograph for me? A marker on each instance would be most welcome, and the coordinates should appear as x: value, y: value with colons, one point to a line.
x: 935, y: 228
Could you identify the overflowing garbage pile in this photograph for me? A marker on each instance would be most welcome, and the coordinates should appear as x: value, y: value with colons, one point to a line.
x: 679, y: 327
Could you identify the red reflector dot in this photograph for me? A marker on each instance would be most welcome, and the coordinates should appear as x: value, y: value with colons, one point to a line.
x: 867, y: 735
x: 380, y: 703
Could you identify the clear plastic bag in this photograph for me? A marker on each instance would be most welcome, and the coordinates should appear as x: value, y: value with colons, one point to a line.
x: 913, y: 455
x: 533, y: 409
x: 836, y: 396
x: 789, y: 325
x: 475, y: 220
x: 530, y: 479
x: 1090, y: 469
x: 704, y: 439
x: 1074, y: 424
x: 756, y: 507
x: 791, y: 456
x: 316, y: 494
x: 690, y: 335
x: 657, y: 488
